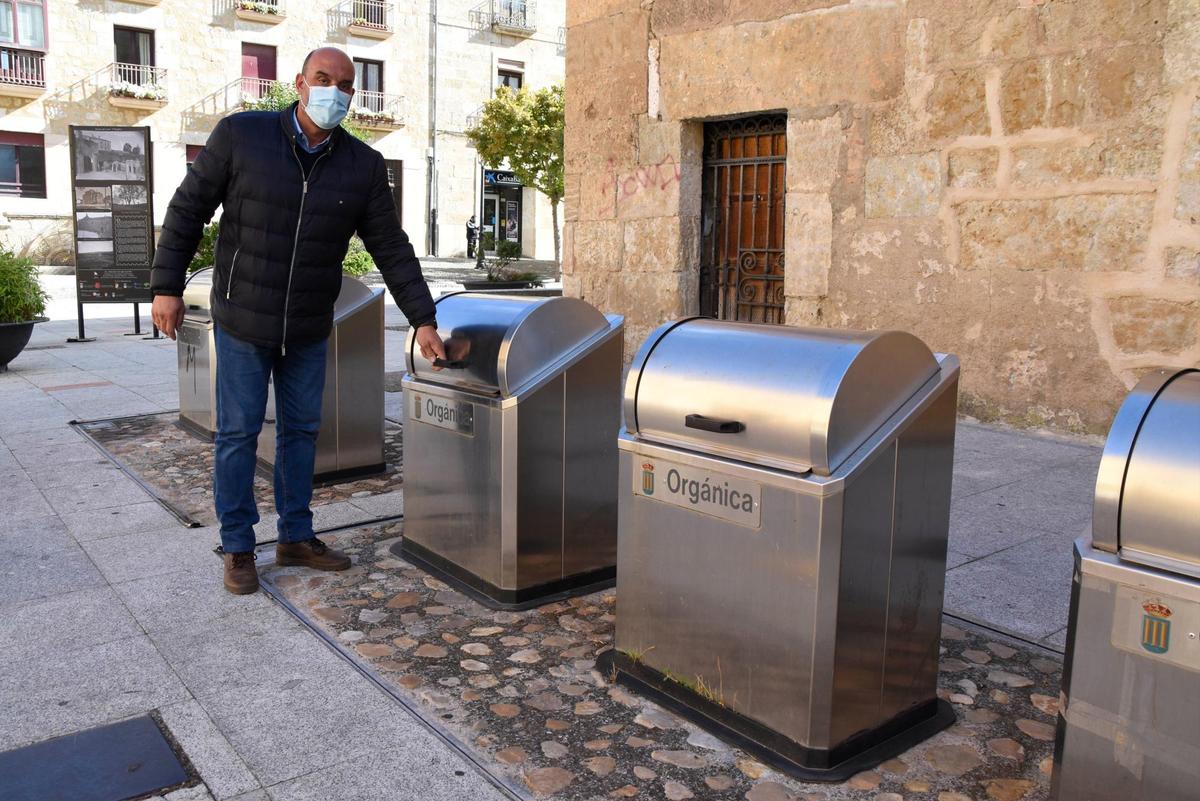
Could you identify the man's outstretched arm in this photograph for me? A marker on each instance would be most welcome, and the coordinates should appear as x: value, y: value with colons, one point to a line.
x: 202, y: 190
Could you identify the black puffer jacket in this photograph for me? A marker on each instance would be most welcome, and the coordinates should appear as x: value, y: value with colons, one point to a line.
x: 279, y: 255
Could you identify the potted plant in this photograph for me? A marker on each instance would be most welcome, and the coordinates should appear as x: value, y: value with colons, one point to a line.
x: 22, y: 304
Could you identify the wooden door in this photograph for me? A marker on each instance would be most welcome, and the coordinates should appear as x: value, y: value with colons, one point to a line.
x: 741, y: 269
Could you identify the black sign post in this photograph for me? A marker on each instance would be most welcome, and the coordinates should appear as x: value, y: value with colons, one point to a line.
x: 113, y: 219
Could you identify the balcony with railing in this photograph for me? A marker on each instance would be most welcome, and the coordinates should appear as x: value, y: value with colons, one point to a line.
x: 266, y: 11
x: 369, y: 18
x: 516, y: 17
x: 137, y: 86
x: 377, y: 111
x: 248, y: 91
x: 22, y: 73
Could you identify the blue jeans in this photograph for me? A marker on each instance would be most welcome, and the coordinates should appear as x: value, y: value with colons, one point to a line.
x: 243, y: 371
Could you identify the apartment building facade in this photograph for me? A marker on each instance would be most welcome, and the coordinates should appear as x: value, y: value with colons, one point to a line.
x: 423, y: 68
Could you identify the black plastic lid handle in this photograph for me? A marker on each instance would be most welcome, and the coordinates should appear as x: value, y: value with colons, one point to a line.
x: 713, y: 424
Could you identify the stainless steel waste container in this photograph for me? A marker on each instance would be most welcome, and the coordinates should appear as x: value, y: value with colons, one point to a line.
x: 351, y: 440
x: 1129, y: 719
x: 510, y: 451
x: 784, y: 511
x: 196, y: 352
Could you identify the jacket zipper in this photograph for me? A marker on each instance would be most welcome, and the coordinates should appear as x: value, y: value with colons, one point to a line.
x: 287, y: 298
x: 232, y: 273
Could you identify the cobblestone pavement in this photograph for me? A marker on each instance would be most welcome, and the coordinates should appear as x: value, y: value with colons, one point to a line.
x: 522, y: 690
x: 178, y: 465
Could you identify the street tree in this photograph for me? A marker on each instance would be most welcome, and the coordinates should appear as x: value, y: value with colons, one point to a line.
x: 525, y: 130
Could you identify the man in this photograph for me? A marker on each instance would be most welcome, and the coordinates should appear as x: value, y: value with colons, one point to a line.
x: 295, y: 187
x: 472, y: 235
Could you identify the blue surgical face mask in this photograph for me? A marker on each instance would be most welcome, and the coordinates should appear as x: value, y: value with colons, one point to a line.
x: 327, y: 105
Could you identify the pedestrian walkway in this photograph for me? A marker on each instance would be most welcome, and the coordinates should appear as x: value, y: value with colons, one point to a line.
x: 109, y: 608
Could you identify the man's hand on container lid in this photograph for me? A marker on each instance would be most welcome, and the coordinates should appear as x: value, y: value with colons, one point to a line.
x: 430, y: 344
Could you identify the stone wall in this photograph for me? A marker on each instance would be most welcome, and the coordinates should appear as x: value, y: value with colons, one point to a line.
x: 199, y: 43
x: 1015, y: 181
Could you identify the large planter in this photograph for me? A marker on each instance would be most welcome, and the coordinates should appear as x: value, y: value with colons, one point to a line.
x: 13, y: 339
x: 500, y: 284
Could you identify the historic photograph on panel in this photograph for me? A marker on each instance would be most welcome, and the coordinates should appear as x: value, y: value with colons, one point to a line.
x: 127, y: 195
x: 94, y: 255
x: 110, y: 155
x: 93, y: 225
x: 93, y: 197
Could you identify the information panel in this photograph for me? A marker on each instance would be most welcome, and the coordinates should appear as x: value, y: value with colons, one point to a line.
x: 111, y: 173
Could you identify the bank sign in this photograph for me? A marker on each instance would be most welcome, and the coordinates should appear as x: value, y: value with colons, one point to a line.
x: 441, y: 413
x: 699, y: 491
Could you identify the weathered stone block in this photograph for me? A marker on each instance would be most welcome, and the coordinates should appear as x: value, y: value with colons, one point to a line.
x: 897, y: 128
x: 598, y: 195
x: 613, y: 41
x: 1133, y: 153
x: 1102, y: 85
x: 621, y: 90
x: 598, y: 246
x: 1086, y: 232
x: 814, y: 150
x: 763, y: 10
x: 1187, y: 206
x: 583, y: 11
x: 831, y: 58
x: 568, y: 249
x: 680, y: 16
x: 650, y: 190
x: 571, y: 197
x: 1012, y: 35
x: 904, y: 186
x: 600, y: 144
x: 1154, y: 325
x: 661, y: 245
x: 971, y: 169
x: 1182, y: 264
x: 1071, y: 23
x: 957, y: 27
x: 1181, y: 45
x: 646, y: 299
x: 805, y: 312
x: 957, y: 104
x: 1022, y: 96
x: 808, y: 244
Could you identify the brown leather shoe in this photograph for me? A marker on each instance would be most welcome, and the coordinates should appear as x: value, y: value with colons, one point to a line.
x: 310, y: 553
x: 241, y: 577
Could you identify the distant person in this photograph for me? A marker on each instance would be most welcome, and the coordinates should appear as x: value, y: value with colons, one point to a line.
x: 472, y: 236
x: 295, y: 188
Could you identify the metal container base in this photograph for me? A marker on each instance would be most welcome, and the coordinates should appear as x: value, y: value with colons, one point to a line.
x: 195, y: 429
x: 266, y: 470
x: 493, y: 597
x: 863, y: 751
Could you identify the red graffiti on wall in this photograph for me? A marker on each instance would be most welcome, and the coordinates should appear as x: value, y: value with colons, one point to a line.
x: 653, y: 176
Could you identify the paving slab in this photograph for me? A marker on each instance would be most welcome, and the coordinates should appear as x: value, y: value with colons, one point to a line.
x: 126, y: 557
x: 248, y: 648
x: 67, y: 622
x: 417, y: 772
x: 145, y: 515
x: 288, y: 727
x: 188, y: 600
x: 44, y: 695
x: 1010, y: 589
x: 224, y: 773
x: 30, y: 536
x: 39, y: 574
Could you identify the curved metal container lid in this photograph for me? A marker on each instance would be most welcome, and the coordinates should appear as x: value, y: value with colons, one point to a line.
x: 498, y: 344
x: 354, y: 295
x: 198, y: 289
x: 1147, y: 505
x: 802, y: 399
